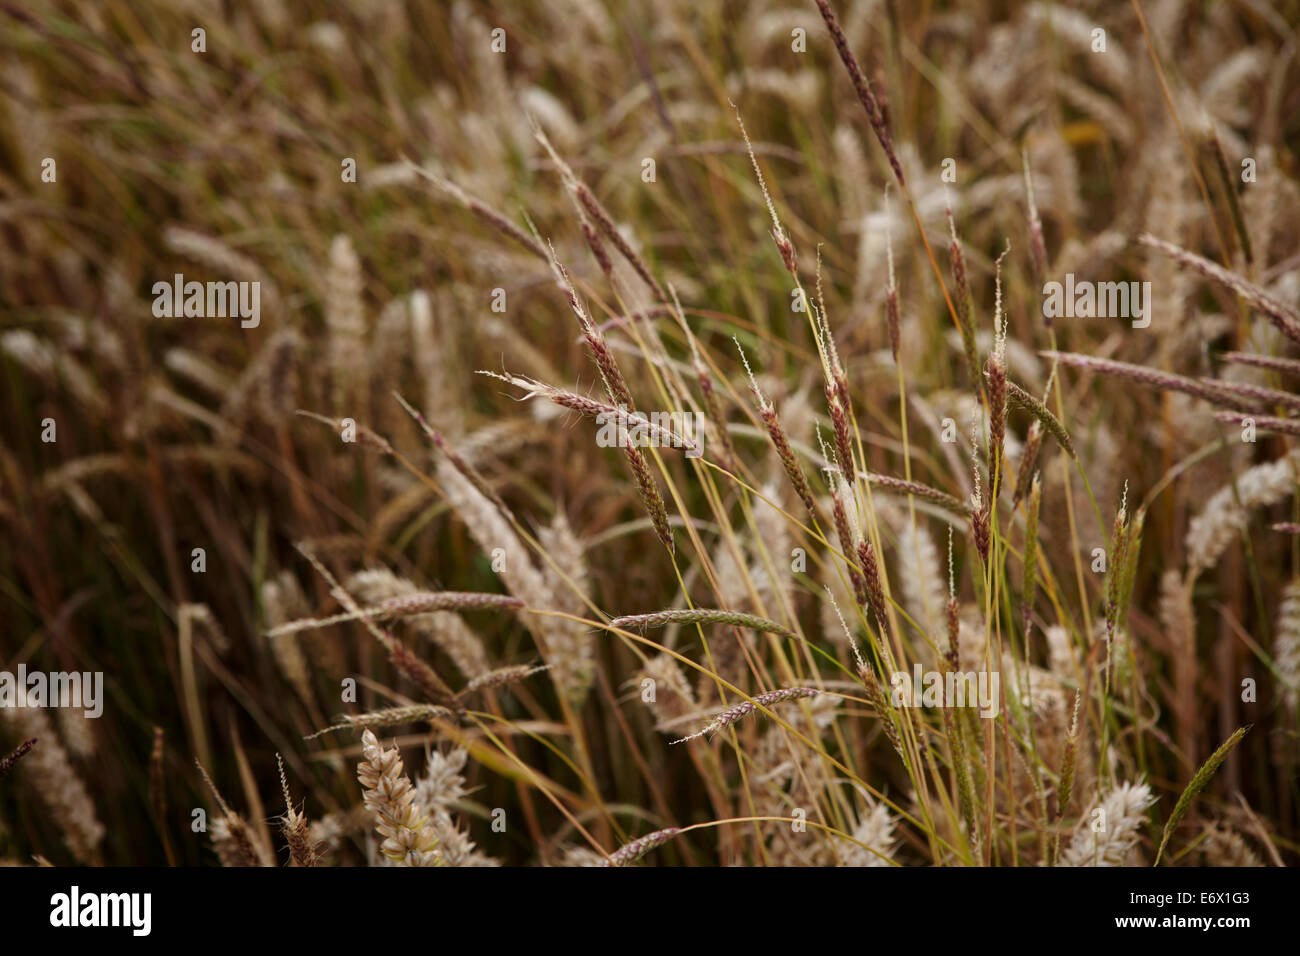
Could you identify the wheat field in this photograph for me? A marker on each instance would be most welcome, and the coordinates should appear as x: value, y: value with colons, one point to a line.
x: 585, y: 433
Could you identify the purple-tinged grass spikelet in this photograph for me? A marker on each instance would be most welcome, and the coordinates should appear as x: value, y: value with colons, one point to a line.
x: 703, y: 616
x: 768, y: 699
x: 631, y: 852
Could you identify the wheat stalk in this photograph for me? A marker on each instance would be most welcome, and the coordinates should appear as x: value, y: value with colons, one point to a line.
x: 409, y: 840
